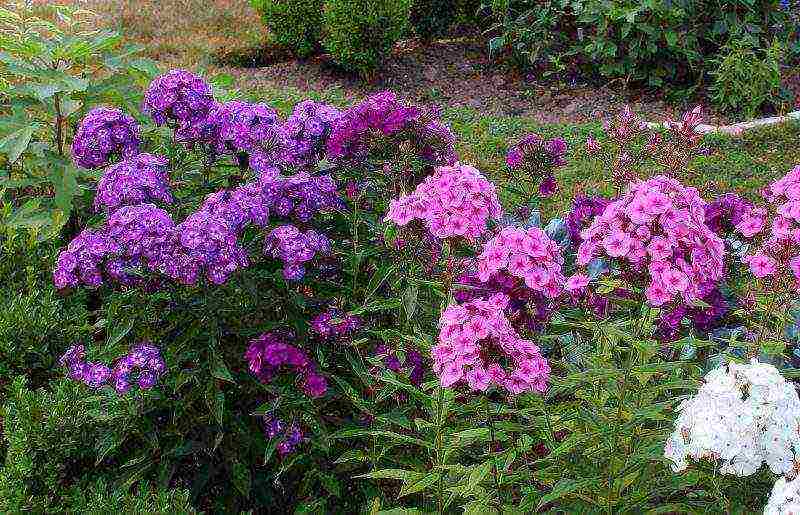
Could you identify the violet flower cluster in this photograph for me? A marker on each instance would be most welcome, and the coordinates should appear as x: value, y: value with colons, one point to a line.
x: 730, y: 213
x: 584, y: 210
x: 537, y: 158
x: 779, y: 252
x: 290, y: 436
x: 657, y: 228
x: 334, y: 324
x: 247, y: 130
x: 136, y: 180
x: 307, y: 131
x: 271, y: 353
x: 144, y: 360
x: 529, y: 255
x: 413, y: 365
x: 104, y: 134
x: 83, y: 261
x: 295, y: 248
x: 454, y: 201
x: 301, y: 196
x: 180, y: 97
x: 704, y: 319
x: 473, y: 338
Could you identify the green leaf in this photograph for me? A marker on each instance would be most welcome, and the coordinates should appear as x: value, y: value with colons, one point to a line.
x: 219, y: 369
x: 479, y: 473
x: 412, y: 487
x: 17, y: 142
x: 241, y: 478
x: 330, y: 483
x: 399, y: 474
x: 65, y: 185
x: 564, y: 488
x: 671, y: 37
x: 118, y: 333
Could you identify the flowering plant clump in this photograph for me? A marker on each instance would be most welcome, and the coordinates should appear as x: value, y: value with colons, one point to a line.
x: 307, y: 130
x: 268, y: 354
x: 180, y: 97
x: 584, y: 210
x: 658, y: 229
x: 247, y: 131
x: 83, y: 260
x: 529, y: 255
x: 744, y: 416
x: 136, y: 180
x: 454, y: 201
x: 537, y: 157
x: 472, y: 336
x: 144, y: 358
x: 301, y: 196
x: 334, y: 324
x: 105, y: 134
x: 295, y: 248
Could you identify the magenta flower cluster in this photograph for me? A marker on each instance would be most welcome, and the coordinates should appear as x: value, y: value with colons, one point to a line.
x: 271, y: 353
x: 473, y: 338
x: 584, y: 210
x: 527, y: 254
x: 290, y: 436
x: 383, y: 115
x: 104, y: 134
x: 730, y: 213
x: 779, y: 252
x: 658, y: 228
x: 144, y: 360
x: 454, y: 201
x: 334, y: 324
x: 182, y: 98
x: 537, y: 157
x: 295, y: 248
x: 136, y: 180
x: 307, y: 131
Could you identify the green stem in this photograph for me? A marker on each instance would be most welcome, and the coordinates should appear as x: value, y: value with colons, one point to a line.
x: 440, y: 449
x: 490, y: 422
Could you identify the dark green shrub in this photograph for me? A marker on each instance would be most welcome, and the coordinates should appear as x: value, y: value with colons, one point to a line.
x: 432, y: 18
x: 100, y: 497
x: 359, y: 34
x: 295, y: 24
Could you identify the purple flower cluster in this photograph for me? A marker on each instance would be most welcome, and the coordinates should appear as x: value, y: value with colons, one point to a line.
x: 290, y: 436
x: 136, y: 180
x: 270, y: 352
x: 537, y: 157
x: 144, y: 358
x: 243, y: 129
x: 307, y: 131
x: 584, y: 210
x: 301, y: 196
x: 703, y: 319
x: 334, y: 324
x: 142, y: 236
x: 413, y: 363
x: 181, y: 97
x: 102, y: 134
x: 383, y: 115
x: 295, y: 248
x: 731, y: 213
x: 83, y: 260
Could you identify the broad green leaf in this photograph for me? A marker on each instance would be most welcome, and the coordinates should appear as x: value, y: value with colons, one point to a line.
x: 17, y: 142
x: 414, y: 486
x: 566, y: 487
x: 219, y: 369
x: 399, y: 474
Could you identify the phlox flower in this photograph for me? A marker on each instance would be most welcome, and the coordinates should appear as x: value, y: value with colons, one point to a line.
x: 139, y: 179
x: 104, y: 134
x: 180, y: 97
x: 272, y: 353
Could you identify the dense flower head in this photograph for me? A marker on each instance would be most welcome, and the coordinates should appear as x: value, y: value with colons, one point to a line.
x: 290, y: 436
x: 144, y: 358
x: 785, y: 497
x: 433, y: 139
x: 730, y: 213
x: 473, y: 336
x: 584, y: 210
x: 779, y: 250
x: 307, y: 131
x: 271, y: 353
x: 182, y: 97
x: 454, y: 201
x: 83, y: 260
x: 382, y: 113
x: 103, y: 134
x: 537, y: 158
x: 744, y: 416
x: 206, y: 242
x: 295, y: 248
x: 334, y: 324
x: 138, y: 179
x: 527, y: 254
x: 657, y: 228
x: 240, y: 128
x: 144, y: 235
x: 301, y: 196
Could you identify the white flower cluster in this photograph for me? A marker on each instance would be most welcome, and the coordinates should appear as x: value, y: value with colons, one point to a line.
x: 785, y: 498
x: 744, y: 416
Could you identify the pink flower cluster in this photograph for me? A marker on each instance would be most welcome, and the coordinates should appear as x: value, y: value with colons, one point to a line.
x: 528, y: 254
x: 780, y: 250
x: 658, y: 227
x: 474, y: 336
x: 454, y: 201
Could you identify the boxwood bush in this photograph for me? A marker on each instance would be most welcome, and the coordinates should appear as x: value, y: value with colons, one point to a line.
x: 295, y: 24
